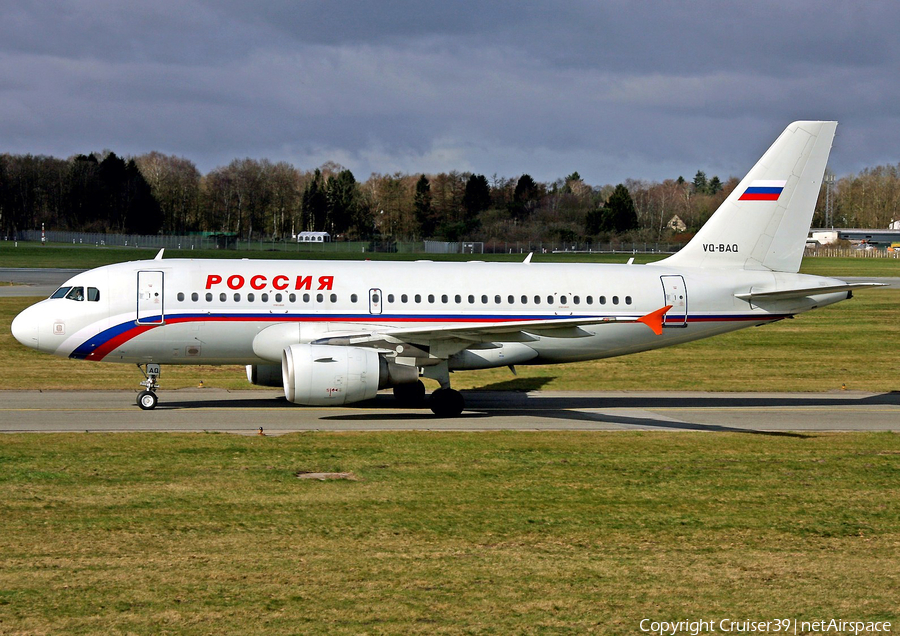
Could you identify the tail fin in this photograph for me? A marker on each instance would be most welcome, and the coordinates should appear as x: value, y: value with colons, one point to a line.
x: 764, y: 223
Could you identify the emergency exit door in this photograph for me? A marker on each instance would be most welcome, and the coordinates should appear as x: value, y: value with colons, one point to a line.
x: 374, y: 301
x: 150, y: 298
x: 676, y: 295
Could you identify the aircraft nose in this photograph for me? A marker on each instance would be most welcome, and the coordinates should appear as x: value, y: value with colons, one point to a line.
x: 25, y: 329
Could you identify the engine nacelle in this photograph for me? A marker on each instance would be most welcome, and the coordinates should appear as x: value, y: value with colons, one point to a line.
x: 265, y: 374
x: 322, y: 375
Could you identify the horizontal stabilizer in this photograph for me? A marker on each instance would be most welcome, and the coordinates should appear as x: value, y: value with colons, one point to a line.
x: 802, y: 292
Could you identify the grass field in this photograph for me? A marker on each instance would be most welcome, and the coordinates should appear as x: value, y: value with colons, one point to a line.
x: 478, y: 533
x: 443, y: 533
x: 85, y: 257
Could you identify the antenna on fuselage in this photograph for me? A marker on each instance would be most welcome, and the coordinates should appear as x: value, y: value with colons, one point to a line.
x: 159, y: 255
x: 528, y: 258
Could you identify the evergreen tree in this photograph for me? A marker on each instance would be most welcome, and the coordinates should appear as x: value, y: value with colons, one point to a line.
x: 477, y: 197
x: 424, y: 212
x: 700, y: 182
x: 142, y: 212
x: 314, y: 205
x: 525, y: 197
x: 341, y: 199
x: 622, y: 213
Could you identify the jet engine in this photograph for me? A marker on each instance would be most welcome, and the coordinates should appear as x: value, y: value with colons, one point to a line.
x: 265, y: 374
x: 325, y: 375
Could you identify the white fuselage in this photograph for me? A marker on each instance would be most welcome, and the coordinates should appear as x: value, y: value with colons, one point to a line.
x: 180, y: 311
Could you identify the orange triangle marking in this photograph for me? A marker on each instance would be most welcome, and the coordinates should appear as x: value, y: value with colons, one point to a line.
x: 654, y: 319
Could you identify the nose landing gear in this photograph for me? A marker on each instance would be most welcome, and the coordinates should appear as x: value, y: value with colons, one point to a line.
x: 147, y: 399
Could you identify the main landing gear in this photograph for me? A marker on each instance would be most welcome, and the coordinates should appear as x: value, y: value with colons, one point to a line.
x: 147, y: 399
x: 444, y: 402
x: 447, y: 402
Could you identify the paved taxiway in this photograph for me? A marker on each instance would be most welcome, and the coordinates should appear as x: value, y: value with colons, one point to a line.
x: 246, y: 411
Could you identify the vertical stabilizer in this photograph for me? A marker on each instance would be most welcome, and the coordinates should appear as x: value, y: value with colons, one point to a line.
x: 764, y: 223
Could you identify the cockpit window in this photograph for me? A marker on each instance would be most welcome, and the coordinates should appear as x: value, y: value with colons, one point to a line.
x: 61, y: 292
x: 93, y: 294
x: 76, y: 293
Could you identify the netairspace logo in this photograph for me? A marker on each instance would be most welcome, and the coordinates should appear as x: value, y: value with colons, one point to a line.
x: 782, y: 626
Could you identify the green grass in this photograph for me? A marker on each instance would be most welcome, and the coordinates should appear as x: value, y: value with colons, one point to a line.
x: 443, y: 533
x: 855, y: 343
x: 87, y: 256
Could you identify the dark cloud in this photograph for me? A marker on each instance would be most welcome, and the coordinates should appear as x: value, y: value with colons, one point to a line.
x: 614, y: 90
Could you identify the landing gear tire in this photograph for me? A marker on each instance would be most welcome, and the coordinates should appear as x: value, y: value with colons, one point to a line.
x: 147, y: 400
x: 412, y: 394
x: 447, y: 403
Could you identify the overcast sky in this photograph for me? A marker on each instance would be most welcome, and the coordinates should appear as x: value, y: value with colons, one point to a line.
x: 646, y: 90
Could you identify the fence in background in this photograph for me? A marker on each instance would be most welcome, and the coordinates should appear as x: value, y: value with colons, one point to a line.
x: 203, y: 242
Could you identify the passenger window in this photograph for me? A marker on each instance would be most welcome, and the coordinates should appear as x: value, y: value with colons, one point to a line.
x: 209, y: 297
x: 320, y: 298
x: 353, y: 298
x: 93, y: 294
x: 431, y: 298
x: 524, y: 300
x: 549, y: 300
x: 403, y: 298
x: 251, y: 298
x: 511, y: 299
x: 563, y: 300
x: 76, y: 293
x: 458, y: 299
x: 418, y: 298
x: 627, y: 300
x: 602, y: 300
x: 237, y: 298
x: 264, y: 297
x: 471, y: 299
x: 589, y: 300
x: 195, y: 297
x: 223, y: 297
x: 293, y: 298
x: 615, y: 300
x: 484, y: 299
x: 390, y: 298
x: 278, y: 298
x: 537, y: 300
x: 445, y: 299
x: 334, y: 298
x: 180, y: 296
x: 576, y: 300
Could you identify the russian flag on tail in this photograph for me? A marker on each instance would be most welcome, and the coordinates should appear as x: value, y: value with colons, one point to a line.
x: 763, y: 191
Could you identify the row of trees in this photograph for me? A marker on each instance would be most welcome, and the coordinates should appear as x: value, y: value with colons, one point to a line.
x: 252, y: 198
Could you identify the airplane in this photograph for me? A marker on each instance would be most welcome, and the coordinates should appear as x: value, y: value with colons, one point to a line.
x: 335, y: 333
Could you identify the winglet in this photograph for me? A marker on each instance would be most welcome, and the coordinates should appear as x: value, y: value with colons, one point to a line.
x: 654, y: 319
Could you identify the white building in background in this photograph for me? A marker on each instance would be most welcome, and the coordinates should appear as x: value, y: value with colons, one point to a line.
x: 314, y: 237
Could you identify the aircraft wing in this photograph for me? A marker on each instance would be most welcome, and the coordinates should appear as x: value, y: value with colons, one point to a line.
x: 513, y: 331
x: 801, y: 292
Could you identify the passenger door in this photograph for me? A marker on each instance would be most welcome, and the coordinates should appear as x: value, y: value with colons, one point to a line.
x: 675, y: 293
x: 150, y: 309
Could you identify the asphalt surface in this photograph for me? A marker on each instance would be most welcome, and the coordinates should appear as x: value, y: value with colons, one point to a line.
x: 246, y: 411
